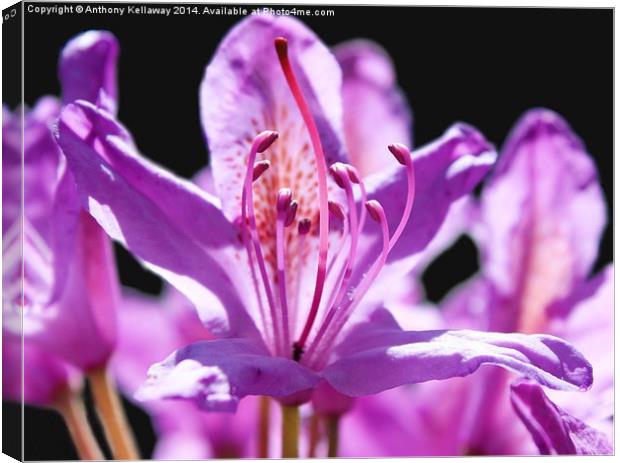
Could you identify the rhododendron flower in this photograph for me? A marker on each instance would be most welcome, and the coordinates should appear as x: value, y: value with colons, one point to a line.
x: 280, y: 263
x: 63, y: 248
x: 69, y: 285
x: 46, y: 375
x: 62, y: 292
x: 541, y: 215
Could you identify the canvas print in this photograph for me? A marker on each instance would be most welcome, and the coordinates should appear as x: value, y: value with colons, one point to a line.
x: 306, y: 231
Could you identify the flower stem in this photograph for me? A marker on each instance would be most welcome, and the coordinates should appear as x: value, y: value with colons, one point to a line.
x: 263, y: 427
x: 315, y: 422
x: 333, y: 422
x: 71, y: 407
x: 290, y: 431
x: 110, y: 410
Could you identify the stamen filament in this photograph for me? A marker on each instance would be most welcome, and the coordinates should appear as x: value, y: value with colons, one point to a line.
x: 284, y: 206
x: 355, y: 178
x: 340, y: 288
x: 281, y: 45
x: 403, y: 156
x: 261, y: 142
x: 344, y: 178
x: 342, y: 313
x: 303, y: 228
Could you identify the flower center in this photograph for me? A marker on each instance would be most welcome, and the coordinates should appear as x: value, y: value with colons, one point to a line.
x: 334, y: 294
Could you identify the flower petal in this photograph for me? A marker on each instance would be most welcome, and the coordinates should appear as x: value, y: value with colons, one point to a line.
x: 168, y: 223
x: 41, y: 159
x: 87, y: 65
x: 244, y: 92
x: 217, y: 374
x: 589, y: 327
x: 186, y: 432
x: 542, y: 217
x: 554, y: 431
x: 136, y: 351
x: 375, y: 110
x: 379, y: 355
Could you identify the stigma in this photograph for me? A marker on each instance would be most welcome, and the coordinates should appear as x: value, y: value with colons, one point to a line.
x: 296, y: 325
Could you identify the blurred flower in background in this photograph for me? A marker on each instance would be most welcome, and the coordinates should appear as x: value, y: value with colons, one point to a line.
x: 537, y: 225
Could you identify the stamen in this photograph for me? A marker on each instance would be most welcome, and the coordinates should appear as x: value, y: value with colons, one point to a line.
x: 284, y: 207
x: 261, y: 142
x: 376, y: 212
x: 285, y: 195
x: 403, y: 156
x: 259, y: 169
x: 339, y: 170
x: 281, y: 46
x: 303, y: 228
x: 355, y: 178
x: 336, y: 209
x: 292, y: 212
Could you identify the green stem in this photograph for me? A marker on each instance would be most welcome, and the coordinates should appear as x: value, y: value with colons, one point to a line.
x: 290, y: 431
x: 263, y: 427
x: 333, y: 422
x: 110, y: 411
x: 71, y: 407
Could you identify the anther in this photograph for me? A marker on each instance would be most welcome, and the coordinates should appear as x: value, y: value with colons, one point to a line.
x: 304, y: 226
x: 336, y: 209
x: 284, y: 200
x: 259, y: 169
x: 291, y: 213
x: 265, y: 140
x: 400, y: 152
x: 337, y: 171
x: 353, y: 174
x: 374, y: 209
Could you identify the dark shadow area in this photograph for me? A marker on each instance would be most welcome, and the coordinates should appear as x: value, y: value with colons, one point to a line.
x: 451, y: 267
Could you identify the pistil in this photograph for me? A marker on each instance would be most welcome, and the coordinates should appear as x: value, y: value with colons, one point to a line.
x: 281, y: 45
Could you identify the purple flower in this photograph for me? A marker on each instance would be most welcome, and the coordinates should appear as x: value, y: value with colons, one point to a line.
x: 540, y: 218
x: 280, y: 262
x: 68, y: 300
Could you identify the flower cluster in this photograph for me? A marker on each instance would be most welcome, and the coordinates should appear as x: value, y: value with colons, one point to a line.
x: 291, y: 264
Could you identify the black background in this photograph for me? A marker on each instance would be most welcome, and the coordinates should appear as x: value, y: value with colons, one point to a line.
x: 483, y: 66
